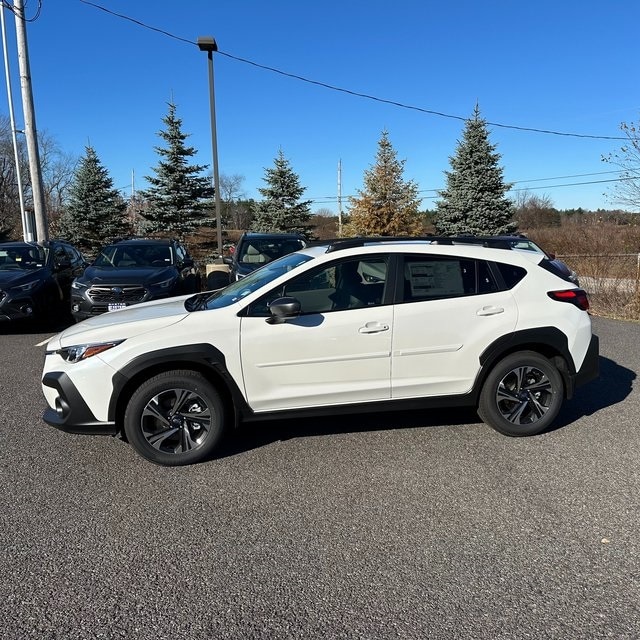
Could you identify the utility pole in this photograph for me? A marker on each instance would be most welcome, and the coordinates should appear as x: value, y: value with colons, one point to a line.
x: 340, y: 198
x: 37, y: 191
x: 27, y: 231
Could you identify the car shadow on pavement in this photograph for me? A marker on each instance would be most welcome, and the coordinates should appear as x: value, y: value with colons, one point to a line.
x: 613, y: 386
x: 259, y: 434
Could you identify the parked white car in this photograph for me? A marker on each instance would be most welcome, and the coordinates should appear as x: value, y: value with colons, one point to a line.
x: 352, y: 325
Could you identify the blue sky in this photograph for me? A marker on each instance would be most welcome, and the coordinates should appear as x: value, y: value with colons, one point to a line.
x: 561, y: 66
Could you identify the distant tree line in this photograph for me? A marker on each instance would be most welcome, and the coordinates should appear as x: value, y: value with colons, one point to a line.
x: 84, y: 207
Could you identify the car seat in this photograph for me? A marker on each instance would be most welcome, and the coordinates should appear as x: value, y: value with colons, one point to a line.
x: 253, y: 256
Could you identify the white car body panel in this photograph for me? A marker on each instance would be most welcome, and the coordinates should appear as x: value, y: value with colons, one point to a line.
x: 316, y: 360
x: 437, y: 343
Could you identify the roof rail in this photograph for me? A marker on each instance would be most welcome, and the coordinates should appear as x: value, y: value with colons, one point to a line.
x: 337, y: 244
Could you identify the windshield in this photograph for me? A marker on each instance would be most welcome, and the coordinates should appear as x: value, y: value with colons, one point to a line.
x: 243, y: 287
x: 139, y: 255
x: 527, y: 245
x: 21, y: 258
x: 263, y: 250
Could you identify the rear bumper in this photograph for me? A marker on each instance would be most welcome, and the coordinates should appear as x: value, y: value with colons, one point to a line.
x: 71, y: 413
x: 590, y: 368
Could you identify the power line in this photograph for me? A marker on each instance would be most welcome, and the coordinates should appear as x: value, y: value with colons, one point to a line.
x: 10, y: 7
x: 331, y: 199
x: 356, y: 93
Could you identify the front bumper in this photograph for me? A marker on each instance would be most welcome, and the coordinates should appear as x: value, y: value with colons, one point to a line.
x: 71, y: 413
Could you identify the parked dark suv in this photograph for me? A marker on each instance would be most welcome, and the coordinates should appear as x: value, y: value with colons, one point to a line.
x: 255, y: 249
x: 133, y: 271
x: 35, y: 279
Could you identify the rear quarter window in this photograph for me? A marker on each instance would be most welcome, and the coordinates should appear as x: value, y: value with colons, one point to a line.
x: 511, y: 274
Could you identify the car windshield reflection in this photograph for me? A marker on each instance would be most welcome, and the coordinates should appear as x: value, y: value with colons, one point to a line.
x: 22, y: 258
x: 254, y: 281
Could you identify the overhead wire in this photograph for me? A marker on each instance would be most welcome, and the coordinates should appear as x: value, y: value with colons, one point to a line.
x: 7, y: 5
x: 351, y: 92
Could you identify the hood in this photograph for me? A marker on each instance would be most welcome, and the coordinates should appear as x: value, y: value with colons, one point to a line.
x: 127, y: 275
x: 11, y: 278
x: 126, y: 323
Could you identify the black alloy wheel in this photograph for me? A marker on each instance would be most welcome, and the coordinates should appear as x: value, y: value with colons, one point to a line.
x: 175, y: 418
x: 522, y: 395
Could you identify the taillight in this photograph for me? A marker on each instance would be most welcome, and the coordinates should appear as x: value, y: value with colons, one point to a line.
x: 574, y: 296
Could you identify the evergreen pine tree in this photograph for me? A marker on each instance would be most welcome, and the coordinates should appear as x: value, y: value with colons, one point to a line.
x: 281, y: 209
x: 474, y: 199
x: 388, y: 205
x: 178, y: 200
x: 94, y: 214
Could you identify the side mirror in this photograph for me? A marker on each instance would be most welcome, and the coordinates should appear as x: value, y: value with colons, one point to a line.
x: 63, y: 263
x: 227, y: 260
x: 187, y: 263
x: 283, y: 308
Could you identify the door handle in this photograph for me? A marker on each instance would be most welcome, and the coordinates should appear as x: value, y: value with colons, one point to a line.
x: 374, y: 327
x: 489, y: 311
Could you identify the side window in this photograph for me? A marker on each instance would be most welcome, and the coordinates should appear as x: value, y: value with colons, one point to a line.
x: 511, y: 274
x: 349, y: 284
x: 181, y: 254
x: 437, y: 277
x: 60, y: 255
x: 74, y: 258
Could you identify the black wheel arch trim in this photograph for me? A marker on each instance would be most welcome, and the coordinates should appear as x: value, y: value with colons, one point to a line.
x: 551, y: 339
x: 202, y: 356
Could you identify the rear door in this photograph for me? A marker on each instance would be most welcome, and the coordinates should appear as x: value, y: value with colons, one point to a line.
x: 450, y: 309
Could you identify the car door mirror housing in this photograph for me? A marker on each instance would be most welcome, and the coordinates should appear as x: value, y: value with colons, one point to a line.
x: 283, y: 308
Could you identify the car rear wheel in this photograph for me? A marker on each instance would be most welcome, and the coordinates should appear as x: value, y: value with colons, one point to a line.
x: 175, y: 418
x: 522, y: 395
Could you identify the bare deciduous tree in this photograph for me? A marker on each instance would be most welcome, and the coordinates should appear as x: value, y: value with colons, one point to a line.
x: 627, y: 191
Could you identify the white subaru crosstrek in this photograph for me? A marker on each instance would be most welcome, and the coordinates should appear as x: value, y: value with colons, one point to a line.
x: 350, y: 325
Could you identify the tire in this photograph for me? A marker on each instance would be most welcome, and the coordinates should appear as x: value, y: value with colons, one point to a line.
x: 175, y: 418
x: 522, y: 395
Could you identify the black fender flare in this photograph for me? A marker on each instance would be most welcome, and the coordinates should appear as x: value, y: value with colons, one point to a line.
x: 203, y: 356
x: 548, y: 341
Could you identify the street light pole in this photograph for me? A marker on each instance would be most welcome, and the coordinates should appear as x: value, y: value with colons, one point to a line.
x: 208, y: 44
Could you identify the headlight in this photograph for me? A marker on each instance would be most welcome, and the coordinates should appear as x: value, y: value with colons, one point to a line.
x: 165, y: 284
x: 28, y: 286
x: 79, y: 352
x: 76, y: 284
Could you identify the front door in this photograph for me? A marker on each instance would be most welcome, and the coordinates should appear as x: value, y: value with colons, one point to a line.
x: 338, y: 351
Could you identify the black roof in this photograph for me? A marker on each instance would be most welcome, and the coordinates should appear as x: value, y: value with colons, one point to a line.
x: 154, y: 241
x: 495, y: 242
x: 272, y: 234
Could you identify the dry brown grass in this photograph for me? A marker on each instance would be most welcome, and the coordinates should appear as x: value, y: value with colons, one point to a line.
x: 606, y: 257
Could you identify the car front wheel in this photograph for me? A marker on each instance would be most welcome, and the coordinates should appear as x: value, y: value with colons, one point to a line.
x: 175, y: 418
x: 522, y: 395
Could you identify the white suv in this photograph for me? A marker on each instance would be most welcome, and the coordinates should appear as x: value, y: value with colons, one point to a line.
x: 351, y: 325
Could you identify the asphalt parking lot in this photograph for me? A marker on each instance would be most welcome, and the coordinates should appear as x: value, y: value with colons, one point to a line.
x: 405, y: 525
